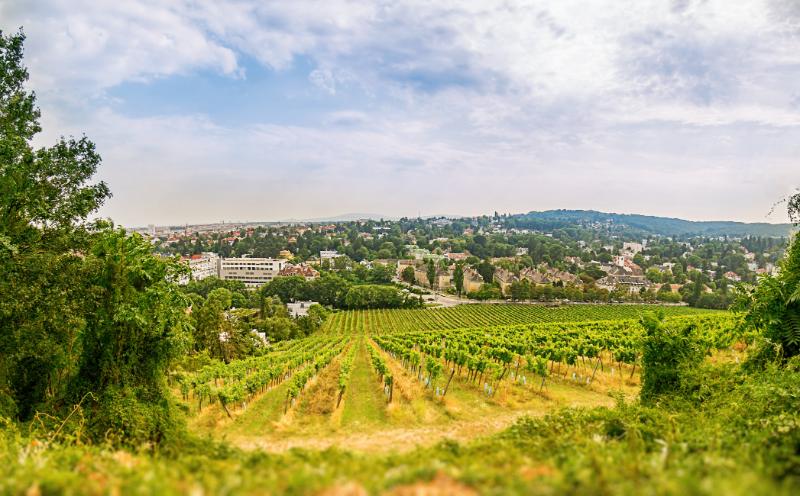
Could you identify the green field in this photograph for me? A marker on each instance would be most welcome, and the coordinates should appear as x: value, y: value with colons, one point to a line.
x: 477, y: 315
x: 495, y: 362
x: 529, y: 409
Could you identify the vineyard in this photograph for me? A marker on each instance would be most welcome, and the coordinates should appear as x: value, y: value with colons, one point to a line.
x: 413, y: 373
x: 488, y: 315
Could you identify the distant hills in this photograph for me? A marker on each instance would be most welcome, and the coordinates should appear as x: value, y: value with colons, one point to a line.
x: 350, y: 217
x: 631, y: 224
x: 645, y: 224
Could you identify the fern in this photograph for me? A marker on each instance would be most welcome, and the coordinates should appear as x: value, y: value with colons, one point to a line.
x: 791, y: 327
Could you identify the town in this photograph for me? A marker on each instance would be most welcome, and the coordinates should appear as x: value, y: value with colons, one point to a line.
x: 481, y: 258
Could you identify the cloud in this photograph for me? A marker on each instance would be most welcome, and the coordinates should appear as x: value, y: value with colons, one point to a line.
x: 459, y: 106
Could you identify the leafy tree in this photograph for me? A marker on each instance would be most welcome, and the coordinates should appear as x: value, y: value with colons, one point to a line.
x: 137, y: 325
x: 773, y: 306
x: 520, y: 290
x: 458, y: 278
x: 204, y: 286
x: 288, y: 289
x: 209, y: 319
x: 486, y: 270
x: 408, y: 275
x: 380, y: 274
x: 669, y: 352
x: 431, y: 272
x: 45, y: 199
x: 654, y: 275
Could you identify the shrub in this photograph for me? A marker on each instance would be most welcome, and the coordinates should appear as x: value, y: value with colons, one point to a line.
x: 668, y: 350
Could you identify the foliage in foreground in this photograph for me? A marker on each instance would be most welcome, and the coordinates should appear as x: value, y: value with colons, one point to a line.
x: 773, y: 306
x: 724, y: 431
x: 87, y: 313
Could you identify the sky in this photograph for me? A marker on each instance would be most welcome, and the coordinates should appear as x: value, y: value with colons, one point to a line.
x: 247, y: 110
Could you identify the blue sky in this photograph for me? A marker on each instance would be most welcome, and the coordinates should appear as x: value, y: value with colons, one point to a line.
x: 254, y: 110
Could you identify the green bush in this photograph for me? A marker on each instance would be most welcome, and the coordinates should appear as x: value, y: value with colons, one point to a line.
x: 669, y: 351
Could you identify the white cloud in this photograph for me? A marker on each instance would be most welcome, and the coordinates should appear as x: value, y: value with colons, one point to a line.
x: 465, y: 106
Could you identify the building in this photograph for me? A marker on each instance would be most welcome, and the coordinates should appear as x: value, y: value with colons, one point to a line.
x: 472, y: 280
x: 299, y: 308
x: 633, y: 284
x: 732, y: 276
x: 202, y: 266
x: 504, y: 278
x: 456, y: 257
x: 328, y: 255
x: 285, y: 254
x: 302, y: 270
x: 442, y: 280
x: 253, y: 272
x: 632, y: 248
x: 417, y: 253
x: 549, y: 275
x: 402, y: 264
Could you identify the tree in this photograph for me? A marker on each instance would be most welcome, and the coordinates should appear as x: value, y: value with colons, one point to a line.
x: 209, y: 320
x: 654, y: 275
x: 45, y: 200
x: 520, y: 290
x: 137, y: 325
x: 486, y: 270
x: 408, y: 275
x: 773, y: 306
x: 380, y: 274
x: 431, y: 272
x: 84, y: 308
x: 287, y: 288
x: 669, y: 352
x: 458, y: 278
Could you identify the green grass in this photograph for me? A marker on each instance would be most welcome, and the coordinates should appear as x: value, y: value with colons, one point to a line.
x: 260, y: 416
x: 734, y: 433
x: 364, y: 401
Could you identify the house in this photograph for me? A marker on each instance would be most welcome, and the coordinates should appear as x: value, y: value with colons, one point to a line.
x: 302, y: 270
x: 548, y: 275
x: 504, y: 278
x: 456, y: 257
x: 402, y: 264
x: 534, y: 276
x: 201, y: 266
x: 328, y: 255
x: 632, y: 248
x: 285, y: 254
x: 442, y: 279
x: 299, y: 308
x: 472, y: 280
x: 732, y: 276
x: 632, y: 284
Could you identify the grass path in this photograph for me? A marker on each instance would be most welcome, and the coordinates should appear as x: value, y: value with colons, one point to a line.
x: 364, y: 401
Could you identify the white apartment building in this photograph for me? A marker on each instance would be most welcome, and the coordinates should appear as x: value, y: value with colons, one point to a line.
x: 202, y: 266
x: 253, y: 272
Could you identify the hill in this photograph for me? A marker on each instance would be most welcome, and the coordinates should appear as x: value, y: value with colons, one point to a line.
x: 644, y: 224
